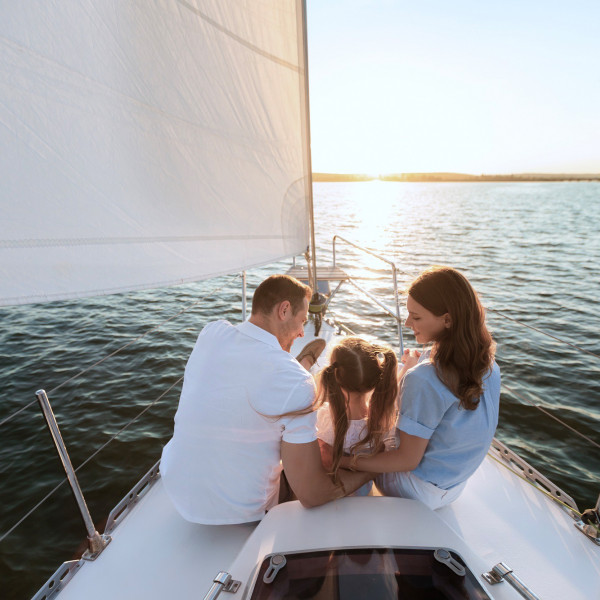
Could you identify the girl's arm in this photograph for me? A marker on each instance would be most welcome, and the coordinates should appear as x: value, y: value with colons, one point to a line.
x: 406, y: 458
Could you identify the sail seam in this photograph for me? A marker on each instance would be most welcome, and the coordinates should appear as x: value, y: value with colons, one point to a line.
x: 240, y: 40
x: 33, y: 243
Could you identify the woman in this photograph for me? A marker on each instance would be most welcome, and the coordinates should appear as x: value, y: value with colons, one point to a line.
x: 449, y: 395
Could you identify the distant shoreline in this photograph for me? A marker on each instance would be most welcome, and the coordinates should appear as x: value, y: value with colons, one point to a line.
x: 445, y: 177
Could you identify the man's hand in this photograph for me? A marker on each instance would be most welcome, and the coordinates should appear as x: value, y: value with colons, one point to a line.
x: 326, y: 455
x: 310, y: 481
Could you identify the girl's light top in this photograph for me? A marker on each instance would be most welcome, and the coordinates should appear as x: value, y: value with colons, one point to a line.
x: 357, y: 430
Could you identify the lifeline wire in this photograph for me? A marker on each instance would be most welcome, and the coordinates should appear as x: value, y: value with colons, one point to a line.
x: 20, y: 410
x: 545, y: 333
x: 87, y: 460
x: 545, y: 411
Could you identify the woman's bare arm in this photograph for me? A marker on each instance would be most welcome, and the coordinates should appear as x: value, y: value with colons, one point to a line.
x: 405, y: 458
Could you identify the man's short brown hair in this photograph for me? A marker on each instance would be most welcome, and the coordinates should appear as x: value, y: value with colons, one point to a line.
x: 277, y: 288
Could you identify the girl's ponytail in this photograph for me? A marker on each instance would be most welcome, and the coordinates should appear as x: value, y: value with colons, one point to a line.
x: 330, y: 388
x: 382, y: 407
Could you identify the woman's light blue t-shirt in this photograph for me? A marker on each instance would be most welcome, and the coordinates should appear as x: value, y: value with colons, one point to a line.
x: 458, y: 438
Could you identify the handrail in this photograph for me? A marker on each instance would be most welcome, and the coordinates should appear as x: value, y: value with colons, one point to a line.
x: 343, y: 239
x: 502, y: 572
x: 395, y: 278
x: 373, y: 298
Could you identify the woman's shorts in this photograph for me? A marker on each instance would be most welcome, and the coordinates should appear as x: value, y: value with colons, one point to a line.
x: 407, y: 485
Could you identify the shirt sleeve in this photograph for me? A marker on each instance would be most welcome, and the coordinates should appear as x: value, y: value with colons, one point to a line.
x: 301, y: 429
x: 422, y: 408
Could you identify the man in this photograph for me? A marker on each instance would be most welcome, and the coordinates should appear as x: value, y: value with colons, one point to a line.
x: 224, y: 462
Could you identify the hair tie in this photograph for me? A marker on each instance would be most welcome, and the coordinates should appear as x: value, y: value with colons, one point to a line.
x: 333, y: 365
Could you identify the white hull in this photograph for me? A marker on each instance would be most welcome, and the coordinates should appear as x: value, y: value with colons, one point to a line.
x: 156, y: 554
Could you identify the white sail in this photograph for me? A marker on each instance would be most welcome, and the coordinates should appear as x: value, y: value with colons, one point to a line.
x: 146, y: 144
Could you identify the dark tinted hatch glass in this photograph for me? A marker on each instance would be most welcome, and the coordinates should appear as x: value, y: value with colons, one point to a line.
x: 367, y: 573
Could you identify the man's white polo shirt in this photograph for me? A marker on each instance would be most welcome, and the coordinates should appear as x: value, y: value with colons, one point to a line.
x: 223, y: 463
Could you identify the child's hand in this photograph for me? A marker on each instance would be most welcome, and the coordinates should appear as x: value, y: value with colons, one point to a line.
x: 410, y: 358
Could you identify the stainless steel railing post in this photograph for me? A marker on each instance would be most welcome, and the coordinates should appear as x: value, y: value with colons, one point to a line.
x: 96, y: 542
x: 398, y: 318
x: 243, y: 295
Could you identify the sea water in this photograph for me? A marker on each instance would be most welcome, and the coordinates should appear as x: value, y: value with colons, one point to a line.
x: 532, y: 250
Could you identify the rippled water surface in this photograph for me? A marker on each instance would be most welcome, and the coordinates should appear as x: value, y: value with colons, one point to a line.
x: 532, y: 250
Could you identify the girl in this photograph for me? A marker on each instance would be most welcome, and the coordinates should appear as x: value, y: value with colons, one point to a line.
x: 357, y: 396
x: 449, y: 394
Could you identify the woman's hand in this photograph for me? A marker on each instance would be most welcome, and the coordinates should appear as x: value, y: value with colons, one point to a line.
x: 410, y: 358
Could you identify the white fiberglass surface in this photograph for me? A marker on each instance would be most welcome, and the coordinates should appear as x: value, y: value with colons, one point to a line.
x: 156, y: 554
x: 498, y: 518
x: 505, y: 519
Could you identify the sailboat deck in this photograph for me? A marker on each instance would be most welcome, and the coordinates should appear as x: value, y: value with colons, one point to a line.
x: 328, y: 273
x: 499, y: 517
x: 157, y: 554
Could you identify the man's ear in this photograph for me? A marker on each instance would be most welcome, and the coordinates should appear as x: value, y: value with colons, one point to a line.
x: 283, y: 309
x: 447, y: 321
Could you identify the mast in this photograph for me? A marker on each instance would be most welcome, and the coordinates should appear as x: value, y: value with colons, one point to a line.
x: 312, y: 265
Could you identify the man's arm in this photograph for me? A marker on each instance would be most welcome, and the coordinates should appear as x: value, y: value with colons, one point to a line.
x: 309, y: 480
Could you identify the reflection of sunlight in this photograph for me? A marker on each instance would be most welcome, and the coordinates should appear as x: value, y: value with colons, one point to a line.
x: 375, y: 204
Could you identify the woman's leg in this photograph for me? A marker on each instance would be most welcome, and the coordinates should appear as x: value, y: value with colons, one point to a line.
x: 407, y: 485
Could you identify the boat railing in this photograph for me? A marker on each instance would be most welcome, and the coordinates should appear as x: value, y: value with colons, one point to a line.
x: 393, y: 267
x: 334, y: 273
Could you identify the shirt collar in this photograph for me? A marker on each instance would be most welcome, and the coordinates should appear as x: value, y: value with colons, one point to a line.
x: 258, y: 333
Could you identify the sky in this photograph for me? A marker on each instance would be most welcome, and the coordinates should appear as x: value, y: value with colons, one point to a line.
x: 468, y: 87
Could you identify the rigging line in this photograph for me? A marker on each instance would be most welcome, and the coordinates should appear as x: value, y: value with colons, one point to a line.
x: 539, y: 489
x: 546, y: 412
x: 544, y: 333
x: 87, y: 460
x: 196, y: 302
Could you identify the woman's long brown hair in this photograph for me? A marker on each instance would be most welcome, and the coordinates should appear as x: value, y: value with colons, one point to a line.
x: 464, y: 352
x: 357, y: 366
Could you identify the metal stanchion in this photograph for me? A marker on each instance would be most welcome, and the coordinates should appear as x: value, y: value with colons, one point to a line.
x: 96, y: 542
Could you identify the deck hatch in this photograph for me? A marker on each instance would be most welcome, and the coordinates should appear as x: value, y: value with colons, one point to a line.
x: 378, y: 573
